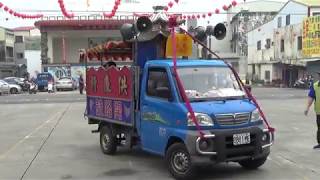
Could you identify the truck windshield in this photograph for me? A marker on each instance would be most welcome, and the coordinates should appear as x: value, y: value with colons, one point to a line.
x: 205, y: 83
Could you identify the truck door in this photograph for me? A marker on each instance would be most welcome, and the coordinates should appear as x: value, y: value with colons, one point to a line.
x: 156, y: 110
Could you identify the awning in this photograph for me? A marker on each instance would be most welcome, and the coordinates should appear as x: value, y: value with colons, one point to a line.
x: 310, y: 60
x: 112, y: 50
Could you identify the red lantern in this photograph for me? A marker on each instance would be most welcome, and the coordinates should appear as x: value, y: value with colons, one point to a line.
x: 170, y: 4
x: 209, y: 14
x: 11, y: 11
x: 166, y: 8
x: 225, y: 7
x: 177, y: 1
x: 198, y: 16
x: 193, y: 16
x: 203, y: 15
x: 6, y: 8
x: 1, y: 4
x: 217, y: 11
x: 234, y: 3
x: 189, y: 16
x: 184, y: 17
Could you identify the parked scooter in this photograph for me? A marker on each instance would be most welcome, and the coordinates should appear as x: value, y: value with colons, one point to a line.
x: 301, y: 83
x: 33, y: 88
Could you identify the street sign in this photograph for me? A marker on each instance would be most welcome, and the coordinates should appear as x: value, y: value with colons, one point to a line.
x: 311, y: 37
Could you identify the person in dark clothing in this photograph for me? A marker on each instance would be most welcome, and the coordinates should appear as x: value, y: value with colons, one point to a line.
x: 109, y: 64
x: 314, y: 97
x: 81, y: 84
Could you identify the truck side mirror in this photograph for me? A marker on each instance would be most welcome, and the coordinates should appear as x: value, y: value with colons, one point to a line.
x: 164, y: 92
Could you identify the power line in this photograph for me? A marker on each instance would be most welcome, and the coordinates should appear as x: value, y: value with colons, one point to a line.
x: 143, y: 12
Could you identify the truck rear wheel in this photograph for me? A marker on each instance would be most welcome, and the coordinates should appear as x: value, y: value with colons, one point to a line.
x: 253, y: 163
x: 179, y: 162
x: 108, y: 143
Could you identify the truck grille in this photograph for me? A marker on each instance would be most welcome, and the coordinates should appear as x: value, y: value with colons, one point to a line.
x: 232, y: 119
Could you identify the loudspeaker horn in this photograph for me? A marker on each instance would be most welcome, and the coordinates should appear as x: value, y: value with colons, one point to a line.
x: 210, y: 30
x: 220, y: 31
x: 200, y: 33
x: 143, y: 24
x: 127, y: 31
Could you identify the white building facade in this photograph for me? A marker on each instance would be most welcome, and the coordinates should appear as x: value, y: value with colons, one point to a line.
x: 275, y: 48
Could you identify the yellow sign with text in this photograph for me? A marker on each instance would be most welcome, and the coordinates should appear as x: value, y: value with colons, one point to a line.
x: 184, y: 45
x: 311, y: 37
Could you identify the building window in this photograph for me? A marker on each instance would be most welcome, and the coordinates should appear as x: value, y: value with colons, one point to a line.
x: 20, y: 55
x: 299, y: 42
x: 267, y: 75
x: 288, y: 19
x: 259, y: 45
x: 268, y: 43
x: 2, y: 52
x: 19, y: 39
x: 9, y: 51
x: 316, y: 13
x: 279, y: 22
x: 282, y: 45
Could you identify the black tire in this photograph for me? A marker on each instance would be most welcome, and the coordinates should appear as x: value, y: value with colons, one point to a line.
x: 13, y: 90
x: 108, y: 143
x: 252, y: 164
x: 179, y: 162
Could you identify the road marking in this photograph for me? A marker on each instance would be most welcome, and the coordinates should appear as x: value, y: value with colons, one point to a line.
x: 295, y: 128
x: 12, y: 148
x: 59, y: 119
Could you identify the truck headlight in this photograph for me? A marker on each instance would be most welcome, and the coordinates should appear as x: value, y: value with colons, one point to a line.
x: 255, y: 116
x: 203, y: 119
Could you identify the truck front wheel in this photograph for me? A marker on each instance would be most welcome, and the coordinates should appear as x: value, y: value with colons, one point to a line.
x: 107, y: 141
x: 253, y: 163
x: 179, y: 161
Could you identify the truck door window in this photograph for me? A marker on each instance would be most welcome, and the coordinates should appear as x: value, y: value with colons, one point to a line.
x: 158, y: 84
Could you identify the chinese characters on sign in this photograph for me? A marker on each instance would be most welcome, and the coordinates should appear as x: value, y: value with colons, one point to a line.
x: 112, y: 83
x: 184, y: 45
x: 123, y: 85
x: 311, y: 37
x: 109, y: 94
x: 118, y: 110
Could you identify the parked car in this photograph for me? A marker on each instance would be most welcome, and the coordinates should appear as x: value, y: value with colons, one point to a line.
x: 14, y: 88
x: 66, y: 83
x: 4, y: 87
x: 19, y: 81
x: 43, y: 79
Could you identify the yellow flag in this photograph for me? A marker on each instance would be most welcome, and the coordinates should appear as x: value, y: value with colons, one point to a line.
x: 184, y: 45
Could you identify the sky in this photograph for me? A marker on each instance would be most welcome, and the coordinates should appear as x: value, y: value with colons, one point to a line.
x: 36, y: 6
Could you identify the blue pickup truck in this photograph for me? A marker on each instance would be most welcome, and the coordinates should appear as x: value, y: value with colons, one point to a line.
x: 191, y: 112
x: 160, y: 122
x: 43, y: 79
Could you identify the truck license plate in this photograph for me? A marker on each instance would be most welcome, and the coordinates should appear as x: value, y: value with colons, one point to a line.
x: 239, y: 139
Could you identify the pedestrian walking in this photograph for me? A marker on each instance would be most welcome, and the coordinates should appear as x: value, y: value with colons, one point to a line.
x: 314, y: 97
x: 81, y: 84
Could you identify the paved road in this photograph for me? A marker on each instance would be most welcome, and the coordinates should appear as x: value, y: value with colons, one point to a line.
x: 43, y: 97
x: 74, y: 96
x: 52, y: 141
